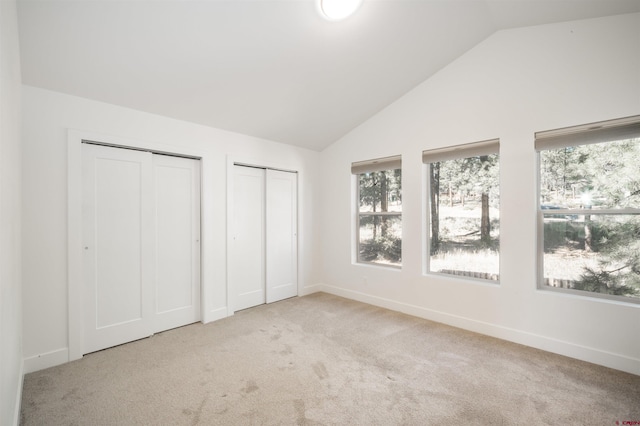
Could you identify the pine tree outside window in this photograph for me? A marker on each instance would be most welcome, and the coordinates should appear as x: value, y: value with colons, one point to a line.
x: 589, y: 209
x: 379, y: 218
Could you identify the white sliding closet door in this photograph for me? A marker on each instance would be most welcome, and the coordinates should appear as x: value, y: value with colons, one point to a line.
x: 141, y: 250
x: 263, y: 258
x: 282, y: 241
x: 247, y: 269
x: 118, y: 246
x: 177, y: 266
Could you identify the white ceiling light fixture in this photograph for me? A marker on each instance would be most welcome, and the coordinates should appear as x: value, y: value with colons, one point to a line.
x: 337, y: 10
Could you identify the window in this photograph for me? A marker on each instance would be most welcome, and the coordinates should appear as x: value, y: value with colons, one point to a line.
x: 379, y: 219
x: 464, y: 210
x: 589, y: 215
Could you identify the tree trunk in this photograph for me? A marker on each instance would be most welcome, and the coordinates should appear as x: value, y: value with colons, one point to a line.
x: 485, y: 221
x: 587, y: 234
x: 434, y: 191
x: 384, y: 206
x: 373, y: 209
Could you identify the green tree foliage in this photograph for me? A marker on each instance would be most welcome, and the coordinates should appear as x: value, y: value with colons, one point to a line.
x: 614, y: 174
x: 380, y: 192
x: 463, y: 179
x: 608, y: 174
x: 618, y: 270
x: 593, y: 177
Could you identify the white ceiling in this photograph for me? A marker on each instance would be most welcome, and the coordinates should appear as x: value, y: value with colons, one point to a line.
x: 267, y: 68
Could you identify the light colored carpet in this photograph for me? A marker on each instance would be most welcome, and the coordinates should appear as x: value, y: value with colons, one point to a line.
x: 322, y: 359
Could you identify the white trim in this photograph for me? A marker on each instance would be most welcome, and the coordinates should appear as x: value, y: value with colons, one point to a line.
x: 425, y: 226
x: 551, y: 212
x: 584, y: 353
x: 228, y: 229
x: 207, y: 205
x: 18, y: 404
x: 217, y: 314
x: 380, y: 214
x: 355, y: 219
x: 310, y: 289
x: 46, y: 360
x: 74, y: 245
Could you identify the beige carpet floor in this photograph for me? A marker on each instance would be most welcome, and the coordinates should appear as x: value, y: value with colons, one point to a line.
x: 325, y: 360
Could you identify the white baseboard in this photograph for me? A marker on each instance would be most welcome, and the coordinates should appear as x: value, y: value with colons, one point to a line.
x: 310, y: 289
x: 18, y: 405
x: 216, y: 314
x: 595, y: 356
x: 46, y: 360
x: 583, y: 353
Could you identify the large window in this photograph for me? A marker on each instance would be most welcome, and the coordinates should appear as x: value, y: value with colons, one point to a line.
x: 464, y: 210
x: 379, y: 227
x: 589, y: 215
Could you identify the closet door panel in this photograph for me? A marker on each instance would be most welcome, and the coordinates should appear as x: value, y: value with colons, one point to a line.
x: 177, y: 260
x: 281, y: 235
x: 118, y: 240
x: 247, y: 269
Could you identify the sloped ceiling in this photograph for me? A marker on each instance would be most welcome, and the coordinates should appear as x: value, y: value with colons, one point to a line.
x: 273, y: 69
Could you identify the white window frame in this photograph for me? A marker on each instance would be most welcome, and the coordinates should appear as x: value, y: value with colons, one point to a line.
x: 599, y: 132
x: 368, y: 166
x: 474, y: 149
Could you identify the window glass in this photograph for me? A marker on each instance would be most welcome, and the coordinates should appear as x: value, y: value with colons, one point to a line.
x: 464, y: 216
x: 380, y: 217
x: 589, y: 203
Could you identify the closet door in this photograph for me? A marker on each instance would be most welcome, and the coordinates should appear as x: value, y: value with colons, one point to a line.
x: 281, y: 235
x: 118, y: 236
x: 177, y: 235
x: 141, y: 234
x: 264, y: 254
x: 247, y: 266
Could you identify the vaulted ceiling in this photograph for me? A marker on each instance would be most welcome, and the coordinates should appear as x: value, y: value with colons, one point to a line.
x: 273, y: 69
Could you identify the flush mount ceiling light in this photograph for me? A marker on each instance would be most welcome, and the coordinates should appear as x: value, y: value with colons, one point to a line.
x: 337, y: 10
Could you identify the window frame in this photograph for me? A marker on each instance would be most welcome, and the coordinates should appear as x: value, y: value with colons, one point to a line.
x: 461, y: 151
x: 370, y: 166
x: 599, y: 132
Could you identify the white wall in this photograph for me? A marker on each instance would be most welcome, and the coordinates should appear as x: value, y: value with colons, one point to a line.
x: 511, y: 85
x: 47, y: 116
x: 11, y: 366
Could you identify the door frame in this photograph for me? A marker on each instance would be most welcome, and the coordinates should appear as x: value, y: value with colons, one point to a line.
x: 233, y: 160
x: 75, y: 138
